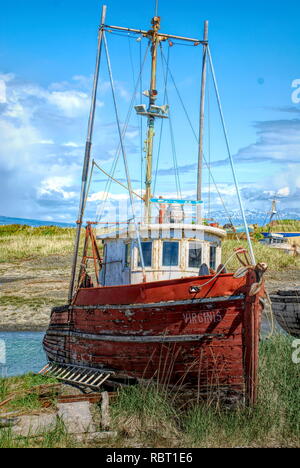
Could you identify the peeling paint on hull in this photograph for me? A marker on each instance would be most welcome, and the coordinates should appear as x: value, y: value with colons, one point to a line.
x: 161, y: 330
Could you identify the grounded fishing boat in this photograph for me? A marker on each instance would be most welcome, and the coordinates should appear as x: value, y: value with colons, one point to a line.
x: 160, y: 304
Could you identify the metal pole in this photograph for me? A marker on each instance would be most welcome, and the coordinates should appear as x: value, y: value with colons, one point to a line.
x: 87, y: 154
x: 201, y: 131
x: 151, y: 119
x: 161, y: 36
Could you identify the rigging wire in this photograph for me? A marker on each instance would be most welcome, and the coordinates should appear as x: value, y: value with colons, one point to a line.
x: 117, y: 155
x: 161, y: 130
x: 121, y: 34
x: 173, y: 146
x: 209, y: 149
x: 88, y: 186
x: 124, y: 155
x: 141, y: 123
x: 197, y: 140
x: 230, y: 157
x: 131, y: 60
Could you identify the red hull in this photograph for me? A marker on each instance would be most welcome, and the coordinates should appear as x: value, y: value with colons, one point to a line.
x: 162, y: 330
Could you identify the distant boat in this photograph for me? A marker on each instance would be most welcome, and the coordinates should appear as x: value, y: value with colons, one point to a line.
x: 276, y: 240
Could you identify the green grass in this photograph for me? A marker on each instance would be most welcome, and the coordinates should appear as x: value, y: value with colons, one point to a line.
x: 41, y: 231
x: 56, y: 437
x: 150, y: 417
x: 20, y: 387
x: 34, y: 302
x: 275, y: 421
x: 275, y: 259
x: 284, y: 225
x: 145, y: 413
x: 18, y: 242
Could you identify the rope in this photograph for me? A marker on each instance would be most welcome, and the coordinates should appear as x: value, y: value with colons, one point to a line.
x: 271, y: 321
x: 230, y: 157
x: 124, y: 154
x: 114, y: 180
x: 226, y: 263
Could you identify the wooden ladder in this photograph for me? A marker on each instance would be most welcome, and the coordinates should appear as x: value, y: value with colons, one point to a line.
x: 77, y: 375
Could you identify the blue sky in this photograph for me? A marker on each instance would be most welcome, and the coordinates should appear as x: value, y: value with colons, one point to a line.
x: 47, y: 56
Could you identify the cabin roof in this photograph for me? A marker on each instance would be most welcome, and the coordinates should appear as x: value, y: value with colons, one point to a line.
x: 147, y: 230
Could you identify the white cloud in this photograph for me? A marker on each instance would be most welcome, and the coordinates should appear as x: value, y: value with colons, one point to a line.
x: 71, y: 144
x: 57, y: 185
x: 100, y: 196
x: 71, y: 103
x: 284, y: 192
x: 2, y: 92
x: 45, y: 142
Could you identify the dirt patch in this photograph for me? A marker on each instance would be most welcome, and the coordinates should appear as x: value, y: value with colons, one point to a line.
x: 282, y: 279
x: 30, y: 288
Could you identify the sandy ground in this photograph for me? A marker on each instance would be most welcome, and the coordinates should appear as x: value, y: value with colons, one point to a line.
x: 29, y: 289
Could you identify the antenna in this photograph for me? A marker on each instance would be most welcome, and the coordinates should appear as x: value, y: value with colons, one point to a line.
x: 156, y: 8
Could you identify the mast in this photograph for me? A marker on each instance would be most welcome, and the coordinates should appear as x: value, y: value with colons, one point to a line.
x: 155, y: 38
x: 201, y: 131
x: 87, y: 155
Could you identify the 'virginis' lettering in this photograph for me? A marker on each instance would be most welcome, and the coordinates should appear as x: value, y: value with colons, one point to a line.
x: 206, y: 317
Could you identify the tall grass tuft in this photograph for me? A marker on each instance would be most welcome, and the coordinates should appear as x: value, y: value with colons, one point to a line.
x: 145, y: 413
x: 274, y: 421
x: 150, y: 416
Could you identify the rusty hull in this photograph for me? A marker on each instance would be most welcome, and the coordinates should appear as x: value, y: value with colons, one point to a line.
x: 165, y: 331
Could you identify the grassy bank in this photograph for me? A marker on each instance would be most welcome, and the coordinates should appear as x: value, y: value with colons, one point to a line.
x: 24, y: 242
x: 150, y: 417
x: 19, y: 242
x: 275, y: 259
x: 284, y: 225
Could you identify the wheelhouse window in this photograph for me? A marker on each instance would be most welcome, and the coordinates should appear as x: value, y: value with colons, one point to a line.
x: 195, y: 254
x: 212, y: 257
x: 127, y: 259
x: 147, y: 254
x: 170, y: 254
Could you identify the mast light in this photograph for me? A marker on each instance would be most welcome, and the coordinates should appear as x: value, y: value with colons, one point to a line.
x: 154, y: 111
x: 140, y: 109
